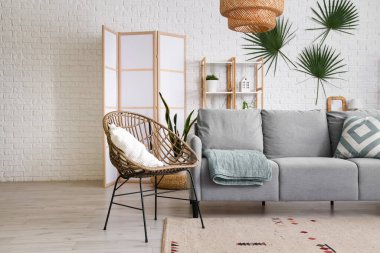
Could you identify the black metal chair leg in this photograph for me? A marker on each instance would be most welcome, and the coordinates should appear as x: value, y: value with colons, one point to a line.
x: 143, y: 211
x: 196, y: 198
x: 111, y: 202
x: 194, y: 209
x: 155, y: 198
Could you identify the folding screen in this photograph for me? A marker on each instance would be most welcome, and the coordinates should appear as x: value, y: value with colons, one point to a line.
x: 136, y: 67
x: 110, y: 101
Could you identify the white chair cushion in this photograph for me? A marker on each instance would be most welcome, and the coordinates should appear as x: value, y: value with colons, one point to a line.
x: 132, y: 148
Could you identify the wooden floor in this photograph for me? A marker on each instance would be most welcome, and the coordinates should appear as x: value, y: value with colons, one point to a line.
x: 69, y: 217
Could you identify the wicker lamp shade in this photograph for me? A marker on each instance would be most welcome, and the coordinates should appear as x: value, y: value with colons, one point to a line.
x: 251, y: 15
x: 262, y: 20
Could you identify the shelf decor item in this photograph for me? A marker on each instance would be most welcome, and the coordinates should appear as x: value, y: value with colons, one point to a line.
x: 212, y: 83
x: 254, y: 16
x: 322, y: 63
x: 354, y: 104
x: 269, y: 45
x: 336, y: 15
x: 336, y: 104
x: 245, y: 85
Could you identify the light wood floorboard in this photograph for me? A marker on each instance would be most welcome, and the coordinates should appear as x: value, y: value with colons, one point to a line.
x: 69, y: 217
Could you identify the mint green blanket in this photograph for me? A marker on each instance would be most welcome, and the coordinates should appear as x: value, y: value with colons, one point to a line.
x: 238, y: 167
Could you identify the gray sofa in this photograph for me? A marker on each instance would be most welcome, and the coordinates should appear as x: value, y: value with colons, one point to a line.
x: 300, y: 146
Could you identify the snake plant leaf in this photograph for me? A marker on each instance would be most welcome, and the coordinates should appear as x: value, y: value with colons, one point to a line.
x: 269, y: 45
x: 335, y: 15
x: 188, y: 125
x: 172, y: 126
x: 175, y: 124
x: 167, y: 113
x: 322, y: 63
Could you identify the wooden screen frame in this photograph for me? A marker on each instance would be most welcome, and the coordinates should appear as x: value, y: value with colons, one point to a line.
x: 104, y: 67
x: 333, y: 98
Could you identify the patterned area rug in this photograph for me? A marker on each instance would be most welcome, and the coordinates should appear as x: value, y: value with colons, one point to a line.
x: 275, y: 234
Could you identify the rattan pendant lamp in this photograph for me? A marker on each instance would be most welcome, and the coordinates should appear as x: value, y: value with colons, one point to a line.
x: 251, y: 16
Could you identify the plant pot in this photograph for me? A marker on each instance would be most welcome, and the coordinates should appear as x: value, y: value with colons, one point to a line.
x: 212, y: 85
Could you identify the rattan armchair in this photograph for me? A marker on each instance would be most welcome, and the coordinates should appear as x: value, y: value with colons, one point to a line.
x: 163, y: 144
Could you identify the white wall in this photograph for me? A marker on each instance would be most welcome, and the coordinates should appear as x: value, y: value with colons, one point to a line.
x: 50, y: 72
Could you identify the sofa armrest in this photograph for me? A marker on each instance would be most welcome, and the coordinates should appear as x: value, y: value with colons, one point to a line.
x: 196, y: 144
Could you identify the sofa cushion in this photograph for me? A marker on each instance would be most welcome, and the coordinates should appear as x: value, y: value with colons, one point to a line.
x: 295, y: 134
x: 360, y: 138
x: 230, y: 129
x: 336, y: 120
x: 212, y: 191
x: 369, y: 178
x: 317, y: 179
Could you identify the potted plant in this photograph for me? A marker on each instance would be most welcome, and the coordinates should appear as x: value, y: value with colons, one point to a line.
x: 212, y: 83
x: 178, y: 180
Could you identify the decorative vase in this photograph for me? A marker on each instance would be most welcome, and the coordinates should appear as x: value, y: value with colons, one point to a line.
x: 212, y: 85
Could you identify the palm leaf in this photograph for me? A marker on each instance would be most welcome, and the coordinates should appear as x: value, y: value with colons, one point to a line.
x: 322, y: 63
x: 268, y: 45
x: 335, y: 15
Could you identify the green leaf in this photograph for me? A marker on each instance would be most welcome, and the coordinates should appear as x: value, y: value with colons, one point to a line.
x: 167, y: 113
x: 268, y: 45
x: 187, y: 126
x: 322, y: 63
x: 335, y: 15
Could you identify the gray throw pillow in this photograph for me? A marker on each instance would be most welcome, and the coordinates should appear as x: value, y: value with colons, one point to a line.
x: 360, y: 138
x: 230, y: 129
x: 336, y: 120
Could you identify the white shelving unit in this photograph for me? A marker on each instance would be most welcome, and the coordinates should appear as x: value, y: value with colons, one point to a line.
x: 231, y: 91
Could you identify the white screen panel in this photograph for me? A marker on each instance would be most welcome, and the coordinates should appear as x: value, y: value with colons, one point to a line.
x: 136, y: 51
x: 111, y: 173
x: 172, y: 53
x: 180, y: 118
x: 110, y: 88
x: 172, y: 87
x: 137, y: 89
x: 109, y: 109
x: 146, y: 112
x: 110, y: 49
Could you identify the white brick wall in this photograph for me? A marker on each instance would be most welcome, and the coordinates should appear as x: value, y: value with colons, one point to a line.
x: 50, y: 72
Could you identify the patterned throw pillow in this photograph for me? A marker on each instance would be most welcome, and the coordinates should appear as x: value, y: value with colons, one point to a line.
x: 360, y: 138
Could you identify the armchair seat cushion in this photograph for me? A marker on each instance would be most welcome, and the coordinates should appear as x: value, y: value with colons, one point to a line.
x: 369, y: 178
x: 317, y: 179
x: 212, y: 191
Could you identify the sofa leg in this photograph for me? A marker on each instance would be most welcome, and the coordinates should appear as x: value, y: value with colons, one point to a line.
x: 194, y: 208
x: 263, y: 203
